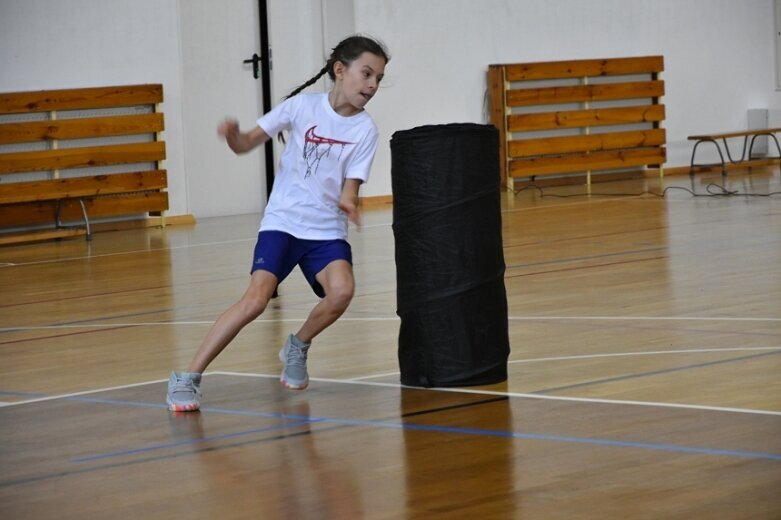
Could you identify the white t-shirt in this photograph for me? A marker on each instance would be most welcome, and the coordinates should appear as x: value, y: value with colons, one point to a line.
x: 323, y: 149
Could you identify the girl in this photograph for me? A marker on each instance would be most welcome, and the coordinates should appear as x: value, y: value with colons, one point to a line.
x: 332, y: 141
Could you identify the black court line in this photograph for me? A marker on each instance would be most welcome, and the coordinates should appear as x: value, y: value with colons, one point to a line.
x: 589, y: 257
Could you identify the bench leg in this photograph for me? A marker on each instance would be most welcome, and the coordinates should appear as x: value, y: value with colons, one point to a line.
x: 768, y: 134
x: 84, y: 214
x: 775, y: 140
x: 86, y: 219
x: 742, y: 154
x: 718, y: 148
x: 751, y: 146
x: 777, y: 145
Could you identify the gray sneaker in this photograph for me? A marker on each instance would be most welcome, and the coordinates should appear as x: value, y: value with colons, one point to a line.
x: 293, y: 355
x: 184, y: 392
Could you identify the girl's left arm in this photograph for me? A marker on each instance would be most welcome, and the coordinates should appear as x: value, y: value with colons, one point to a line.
x: 349, y: 200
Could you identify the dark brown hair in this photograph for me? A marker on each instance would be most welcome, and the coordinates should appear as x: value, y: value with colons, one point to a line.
x: 347, y: 51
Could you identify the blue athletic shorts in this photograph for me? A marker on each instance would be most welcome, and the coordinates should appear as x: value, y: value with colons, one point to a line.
x: 278, y: 253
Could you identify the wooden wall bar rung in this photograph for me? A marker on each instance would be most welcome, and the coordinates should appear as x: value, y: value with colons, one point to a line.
x: 80, y: 99
x: 81, y: 128
x: 586, y: 161
x: 583, y: 118
x: 81, y: 157
x: 586, y: 143
x: 584, y: 93
x: 82, y: 186
x: 584, y: 68
x: 44, y: 212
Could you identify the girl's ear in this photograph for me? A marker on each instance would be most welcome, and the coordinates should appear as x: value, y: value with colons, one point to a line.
x: 339, y: 69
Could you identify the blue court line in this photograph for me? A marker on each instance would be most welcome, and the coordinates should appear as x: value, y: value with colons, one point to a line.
x: 22, y: 394
x: 136, y: 461
x: 654, y: 372
x: 189, y: 442
x: 302, y: 420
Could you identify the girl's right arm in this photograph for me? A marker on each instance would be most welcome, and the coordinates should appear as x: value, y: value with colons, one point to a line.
x: 241, y: 142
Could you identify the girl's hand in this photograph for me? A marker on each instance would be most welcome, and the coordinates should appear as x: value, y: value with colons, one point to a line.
x: 228, y: 128
x: 348, y: 202
x: 351, y: 209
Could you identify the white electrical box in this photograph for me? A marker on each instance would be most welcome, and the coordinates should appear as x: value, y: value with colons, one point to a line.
x: 758, y: 118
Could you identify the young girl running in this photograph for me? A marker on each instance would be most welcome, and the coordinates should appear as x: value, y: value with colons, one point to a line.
x: 330, y: 149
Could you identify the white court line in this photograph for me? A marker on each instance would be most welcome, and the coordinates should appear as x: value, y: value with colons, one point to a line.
x: 131, y: 252
x: 638, y: 318
x: 613, y: 354
x: 170, y: 323
x: 136, y: 251
x: 398, y: 385
x: 396, y: 318
x: 86, y: 392
x: 373, y: 376
x: 528, y: 396
x: 649, y: 353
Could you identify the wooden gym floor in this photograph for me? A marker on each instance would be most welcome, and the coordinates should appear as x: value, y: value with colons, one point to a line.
x: 644, y: 378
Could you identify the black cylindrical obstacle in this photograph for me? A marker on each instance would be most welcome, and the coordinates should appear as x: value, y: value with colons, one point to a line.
x: 449, y: 261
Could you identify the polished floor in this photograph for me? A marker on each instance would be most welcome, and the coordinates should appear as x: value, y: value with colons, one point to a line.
x: 644, y: 373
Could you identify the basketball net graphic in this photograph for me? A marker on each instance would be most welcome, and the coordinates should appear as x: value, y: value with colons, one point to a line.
x: 317, y: 147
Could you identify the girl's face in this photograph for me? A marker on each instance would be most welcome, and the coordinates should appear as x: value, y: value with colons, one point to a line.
x: 358, y: 82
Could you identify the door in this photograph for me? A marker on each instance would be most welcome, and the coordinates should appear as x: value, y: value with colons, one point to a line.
x: 216, y: 38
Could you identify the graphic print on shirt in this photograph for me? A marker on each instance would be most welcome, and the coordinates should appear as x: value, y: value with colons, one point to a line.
x: 317, y: 147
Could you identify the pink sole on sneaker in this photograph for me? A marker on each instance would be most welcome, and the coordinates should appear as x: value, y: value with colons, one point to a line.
x: 183, y: 408
x: 293, y: 387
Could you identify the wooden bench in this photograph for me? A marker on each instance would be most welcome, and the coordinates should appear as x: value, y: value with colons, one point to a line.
x: 713, y: 138
x: 562, y: 117
x: 77, y: 154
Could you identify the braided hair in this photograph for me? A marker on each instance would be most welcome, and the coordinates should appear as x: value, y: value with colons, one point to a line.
x: 347, y: 51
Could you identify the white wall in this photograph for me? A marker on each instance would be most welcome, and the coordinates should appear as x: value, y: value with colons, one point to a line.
x: 719, y: 57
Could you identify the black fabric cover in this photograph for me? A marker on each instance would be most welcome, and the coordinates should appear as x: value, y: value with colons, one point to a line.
x: 449, y: 261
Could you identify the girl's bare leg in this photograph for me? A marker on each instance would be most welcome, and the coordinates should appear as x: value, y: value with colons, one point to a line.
x: 228, y: 325
x: 339, y: 285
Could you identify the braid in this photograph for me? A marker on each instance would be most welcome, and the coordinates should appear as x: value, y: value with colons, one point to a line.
x: 311, y: 81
